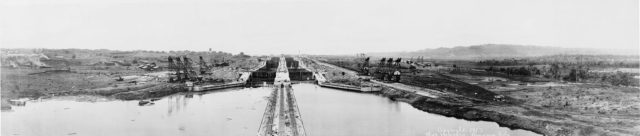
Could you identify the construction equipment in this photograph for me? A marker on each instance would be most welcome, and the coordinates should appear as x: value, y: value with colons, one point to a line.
x: 182, y: 69
x: 149, y: 66
x: 365, y: 67
x: 119, y: 78
x: 188, y: 68
x: 174, y: 68
x: 387, y: 70
x: 203, y: 66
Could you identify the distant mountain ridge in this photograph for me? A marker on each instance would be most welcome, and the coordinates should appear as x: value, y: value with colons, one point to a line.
x: 501, y: 51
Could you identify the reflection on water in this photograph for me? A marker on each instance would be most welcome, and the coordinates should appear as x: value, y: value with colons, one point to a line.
x: 223, y: 112
x: 234, y: 112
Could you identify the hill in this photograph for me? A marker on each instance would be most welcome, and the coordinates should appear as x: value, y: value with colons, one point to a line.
x: 501, y: 51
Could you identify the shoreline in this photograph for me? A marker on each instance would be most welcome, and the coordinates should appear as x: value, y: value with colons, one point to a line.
x: 481, y: 113
x: 441, y: 106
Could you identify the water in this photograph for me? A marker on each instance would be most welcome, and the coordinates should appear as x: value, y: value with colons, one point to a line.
x: 331, y: 112
x: 234, y: 112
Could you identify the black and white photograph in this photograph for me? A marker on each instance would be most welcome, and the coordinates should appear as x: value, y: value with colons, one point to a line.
x: 320, y: 67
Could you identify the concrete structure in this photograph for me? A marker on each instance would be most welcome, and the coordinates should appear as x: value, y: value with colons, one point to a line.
x: 322, y: 81
x: 282, y: 74
x: 198, y: 88
x: 282, y: 116
x: 351, y: 87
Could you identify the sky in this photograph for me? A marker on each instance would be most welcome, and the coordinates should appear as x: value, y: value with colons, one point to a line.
x: 316, y: 26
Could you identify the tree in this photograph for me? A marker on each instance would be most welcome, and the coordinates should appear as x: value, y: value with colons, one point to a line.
x: 523, y: 71
x: 555, y: 71
x: 536, y: 70
x: 573, y: 75
x: 582, y: 73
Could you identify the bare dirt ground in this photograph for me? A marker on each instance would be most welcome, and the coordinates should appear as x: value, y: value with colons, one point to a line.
x: 549, y: 108
x: 332, y: 73
x: 94, y: 72
x: 232, y: 72
x: 36, y: 82
x: 28, y: 82
x: 33, y: 83
x: 593, y: 109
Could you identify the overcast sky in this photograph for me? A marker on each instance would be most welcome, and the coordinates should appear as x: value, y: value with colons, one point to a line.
x: 316, y: 26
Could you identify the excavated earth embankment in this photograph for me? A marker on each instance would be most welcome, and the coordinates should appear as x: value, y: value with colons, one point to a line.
x: 539, y: 123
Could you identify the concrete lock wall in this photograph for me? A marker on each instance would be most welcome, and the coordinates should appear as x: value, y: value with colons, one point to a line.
x: 268, y: 73
x: 265, y: 74
x: 291, y: 63
x: 300, y: 75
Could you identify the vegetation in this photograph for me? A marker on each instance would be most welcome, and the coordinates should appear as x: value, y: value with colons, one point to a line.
x: 572, y: 68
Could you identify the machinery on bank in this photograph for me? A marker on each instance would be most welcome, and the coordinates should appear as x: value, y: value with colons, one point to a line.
x: 182, y: 69
x: 387, y: 69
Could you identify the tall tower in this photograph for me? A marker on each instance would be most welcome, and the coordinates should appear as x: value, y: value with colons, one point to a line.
x: 188, y: 69
x: 203, y: 66
x: 179, y: 69
x: 172, y: 67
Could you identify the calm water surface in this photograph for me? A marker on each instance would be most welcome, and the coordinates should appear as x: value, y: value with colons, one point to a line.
x: 334, y: 112
x: 234, y: 112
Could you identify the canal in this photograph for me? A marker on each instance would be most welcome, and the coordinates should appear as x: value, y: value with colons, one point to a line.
x: 233, y: 112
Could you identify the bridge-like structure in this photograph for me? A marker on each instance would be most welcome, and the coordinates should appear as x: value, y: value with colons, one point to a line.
x: 282, y: 116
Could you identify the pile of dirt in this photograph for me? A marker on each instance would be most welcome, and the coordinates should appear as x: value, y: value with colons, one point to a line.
x: 61, y: 63
x: 151, y: 92
x: 404, y: 96
x: 23, y: 60
x: 449, y: 85
x: 541, y: 123
x: 119, y: 89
